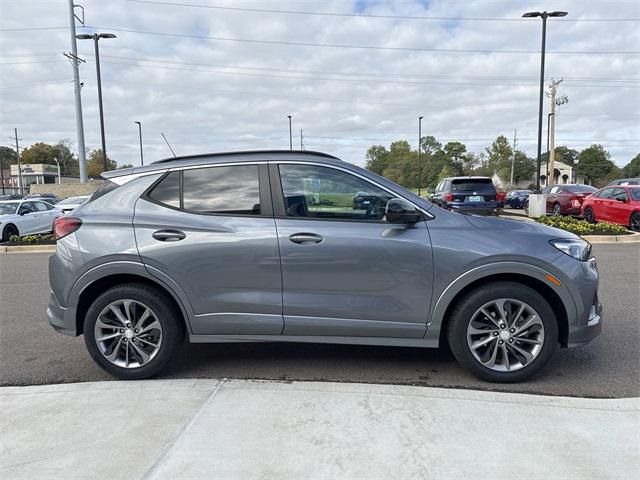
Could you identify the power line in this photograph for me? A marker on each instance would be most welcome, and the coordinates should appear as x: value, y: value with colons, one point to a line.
x: 31, y: 29
x: 367, y: 15
x: 351, y: 46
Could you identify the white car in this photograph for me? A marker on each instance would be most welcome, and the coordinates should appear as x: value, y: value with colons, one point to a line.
x: 69, y: 204
x: 26, y: 217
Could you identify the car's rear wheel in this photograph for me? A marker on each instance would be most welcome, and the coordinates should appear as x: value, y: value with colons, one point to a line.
x: 8, y: 231
x: 589, y: 216
x: 634, y: 222
x: 132, y: 331
x: 555, y: 210
x: 503, y: 332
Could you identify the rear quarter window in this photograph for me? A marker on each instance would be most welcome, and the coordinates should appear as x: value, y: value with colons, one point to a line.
x: 106, y: 187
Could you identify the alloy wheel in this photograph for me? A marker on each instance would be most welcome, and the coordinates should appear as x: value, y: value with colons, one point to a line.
x: 128, y: 333
x: 556, y: 209
x: 588, y: 215
x: 635, y: 222
x: 505, y: 335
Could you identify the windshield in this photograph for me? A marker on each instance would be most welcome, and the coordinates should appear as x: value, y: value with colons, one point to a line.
x: 461, y: 185
x: 8, y: 208
x: 72, y: 201
x: 581, y: 189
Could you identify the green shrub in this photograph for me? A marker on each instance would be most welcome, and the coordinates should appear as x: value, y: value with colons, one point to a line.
x: 32, y: 239
x: 582, y: 227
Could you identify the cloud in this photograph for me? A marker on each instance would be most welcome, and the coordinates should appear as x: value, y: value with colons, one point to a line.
x: 214, y: 95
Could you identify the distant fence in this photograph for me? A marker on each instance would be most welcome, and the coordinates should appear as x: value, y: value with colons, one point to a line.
x: 64, y: 190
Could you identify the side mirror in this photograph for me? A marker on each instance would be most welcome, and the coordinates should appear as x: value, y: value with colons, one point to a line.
x: 23, y: 212
x: 399, y: 210
x: 621, y: 199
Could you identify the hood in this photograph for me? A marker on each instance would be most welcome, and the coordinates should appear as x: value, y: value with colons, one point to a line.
x: 522, y: 226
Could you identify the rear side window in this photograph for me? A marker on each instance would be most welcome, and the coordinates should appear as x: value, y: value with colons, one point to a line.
x: 167, y: 191
x: 233, y: 190
x: 230, y: 190
x: 103, y: 189
x: 475, y: 184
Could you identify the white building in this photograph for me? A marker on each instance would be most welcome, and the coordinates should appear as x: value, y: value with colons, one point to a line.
x: 39, y: 173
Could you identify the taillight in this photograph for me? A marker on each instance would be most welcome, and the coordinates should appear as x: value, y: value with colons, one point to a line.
x: 63, y: 226
x: 576, y: 200
x: 448, y: 197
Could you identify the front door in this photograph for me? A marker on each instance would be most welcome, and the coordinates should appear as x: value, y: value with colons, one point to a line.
x: 345, y: 270
x: 212, y: 232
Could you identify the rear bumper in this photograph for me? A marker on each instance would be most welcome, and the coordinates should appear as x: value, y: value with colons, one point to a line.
x: 583, y: 334
x: 61, y: 319
x: 480, y: 207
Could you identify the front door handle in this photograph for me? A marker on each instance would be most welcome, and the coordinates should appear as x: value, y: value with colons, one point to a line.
x: 305, y: 238
x: 168, y: 235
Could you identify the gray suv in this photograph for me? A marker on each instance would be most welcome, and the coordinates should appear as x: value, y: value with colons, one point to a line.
x: 267, y: 246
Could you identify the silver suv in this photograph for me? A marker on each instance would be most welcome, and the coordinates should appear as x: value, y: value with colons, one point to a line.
x: 267, y: 246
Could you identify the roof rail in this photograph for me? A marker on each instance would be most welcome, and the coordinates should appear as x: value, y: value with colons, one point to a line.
x: 247, y: 152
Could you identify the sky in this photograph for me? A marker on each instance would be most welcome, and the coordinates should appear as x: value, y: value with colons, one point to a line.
x: 350, y: 73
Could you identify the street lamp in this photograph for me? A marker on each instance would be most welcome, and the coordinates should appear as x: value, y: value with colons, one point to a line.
x: 58, y: 164
x: 419, y: 149
x: 140, y: 133
x: 544, y: 15
x: 95, y: 37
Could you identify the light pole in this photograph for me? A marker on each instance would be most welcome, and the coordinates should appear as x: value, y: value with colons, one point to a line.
x: 58, y: 164
x: 544, y: 15
x: 290, y: 137
x: 95, y: 37
x: 140, y: 134
x: 419, y: 149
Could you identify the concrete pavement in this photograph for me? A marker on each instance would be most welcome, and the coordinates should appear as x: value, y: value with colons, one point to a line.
x: 237, y: 429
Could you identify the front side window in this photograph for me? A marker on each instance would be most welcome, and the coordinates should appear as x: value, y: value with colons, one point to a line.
x: 326, y: 193
x: 605, y: 193
x: 620, y: 195
x: 635, y: 193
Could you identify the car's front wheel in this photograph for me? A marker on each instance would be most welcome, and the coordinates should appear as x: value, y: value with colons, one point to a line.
x: 9, y: 231
x: 132, y: 331
x: 503, y: 332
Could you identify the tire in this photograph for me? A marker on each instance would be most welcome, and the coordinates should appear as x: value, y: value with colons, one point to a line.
x: 589, y: 216
x: 162, y: 328
x: 556, y: 210
x: 466, y: 318
x: 8, y: 231
x: 634, y: 222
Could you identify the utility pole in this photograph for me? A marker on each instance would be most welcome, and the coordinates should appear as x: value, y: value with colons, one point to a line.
x: 513, y: 156
x: 555, y: 101
x: 2, y: 175
x: 290, y: 137
x: 140, y: 133
x: 419, y: 151
x: 301, y: 140
x: 75, y: 61
x: 21, y: 190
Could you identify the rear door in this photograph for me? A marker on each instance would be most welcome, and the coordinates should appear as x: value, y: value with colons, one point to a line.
x: 46, y: 214
x: 211, y: 230
x: 347, y: 272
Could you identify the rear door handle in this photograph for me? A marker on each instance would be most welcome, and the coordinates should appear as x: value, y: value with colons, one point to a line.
x: 305, y: 238
x: 168, y: 235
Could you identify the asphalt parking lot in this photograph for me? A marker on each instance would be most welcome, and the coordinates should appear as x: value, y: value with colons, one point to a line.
x: 32, y: 353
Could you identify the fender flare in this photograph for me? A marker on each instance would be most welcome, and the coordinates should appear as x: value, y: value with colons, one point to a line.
x: 483, y: 271
x: 125, y: 267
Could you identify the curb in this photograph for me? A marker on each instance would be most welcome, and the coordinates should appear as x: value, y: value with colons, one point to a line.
x: 633, y: 238
x: 28, y: 249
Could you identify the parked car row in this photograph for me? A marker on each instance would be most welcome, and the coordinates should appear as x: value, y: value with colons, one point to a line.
x: 33, y: 214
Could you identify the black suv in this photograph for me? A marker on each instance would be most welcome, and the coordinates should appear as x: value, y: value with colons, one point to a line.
x: 467, y: 194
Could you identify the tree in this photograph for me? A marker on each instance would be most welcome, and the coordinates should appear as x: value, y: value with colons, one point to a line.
x: 377, y: 158
x: 595, y: 164
x: 632, y: 169
x: 7, y: 157
x: 524, y: 168
x: 95, y: 164
x: 125, y: 165
x: 499, y: 157
x: 455, y: 152
x: 46, y: 153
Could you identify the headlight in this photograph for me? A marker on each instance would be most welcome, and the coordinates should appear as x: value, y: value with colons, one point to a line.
x: 576, y: 248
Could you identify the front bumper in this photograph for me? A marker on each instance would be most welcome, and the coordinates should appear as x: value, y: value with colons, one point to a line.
x: 583, y: 334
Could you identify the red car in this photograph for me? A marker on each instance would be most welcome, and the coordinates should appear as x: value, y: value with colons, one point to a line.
x: 618, y: 204
x: 567, y: 199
